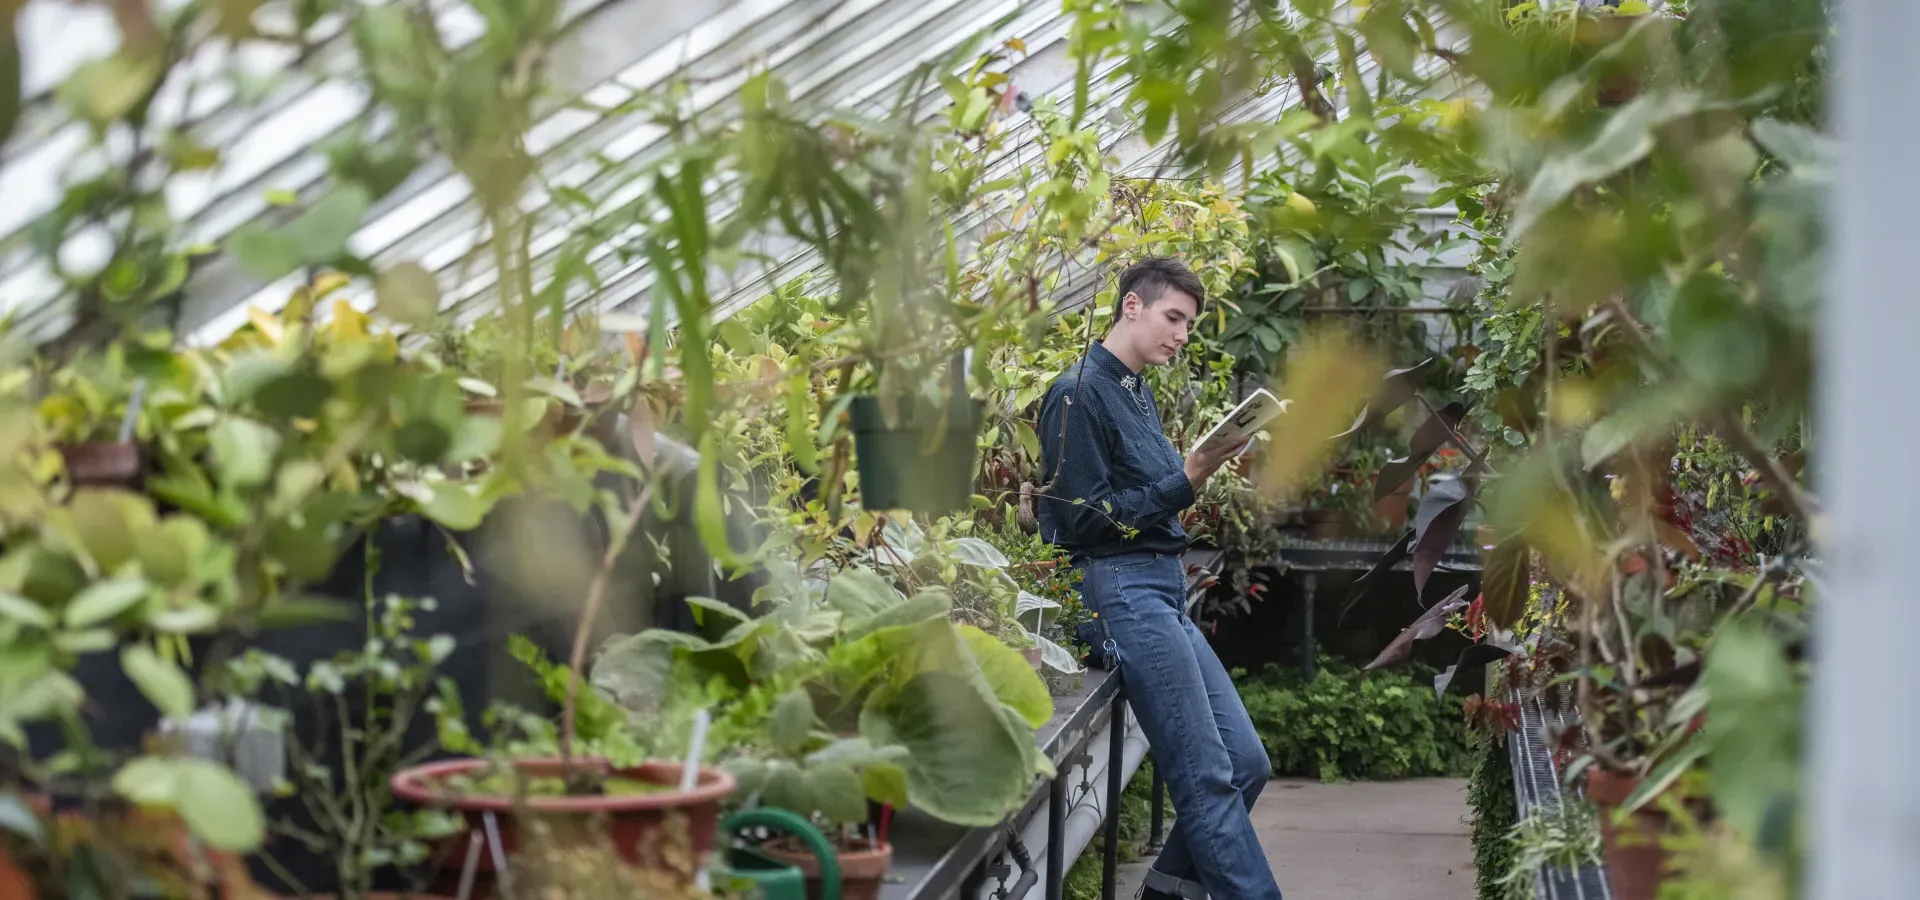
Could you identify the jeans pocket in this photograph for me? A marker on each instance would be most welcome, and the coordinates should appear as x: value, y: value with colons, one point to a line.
x: 1127, y: 564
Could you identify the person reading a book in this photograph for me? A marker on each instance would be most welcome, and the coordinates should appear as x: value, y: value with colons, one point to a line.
x: 1115, y: 489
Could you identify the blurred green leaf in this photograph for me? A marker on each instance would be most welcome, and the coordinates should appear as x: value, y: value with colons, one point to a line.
x: 9, y: 78
x: 243, y: 451
x: 1626, y: 138
x: 791, y: 721
x: 16, y: 608
x: 104, y: 600
x: 105, y: 89
x: 455, y: 506
x: 218, y: 807
x: 1754, y: 703
x: 162, y: 682
x: 1718, y: 337
x: 409, y: 294
x: 15, y: 818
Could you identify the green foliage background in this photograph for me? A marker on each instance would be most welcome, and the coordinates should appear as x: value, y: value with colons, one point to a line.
x: 1350, y: 725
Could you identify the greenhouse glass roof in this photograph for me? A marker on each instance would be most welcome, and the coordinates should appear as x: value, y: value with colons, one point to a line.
x: 843, y: 54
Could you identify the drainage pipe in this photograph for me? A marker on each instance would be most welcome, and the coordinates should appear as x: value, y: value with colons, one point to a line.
x: 1086, y: 809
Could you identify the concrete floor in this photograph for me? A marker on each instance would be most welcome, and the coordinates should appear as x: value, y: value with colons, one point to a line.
x: 1392, y: 840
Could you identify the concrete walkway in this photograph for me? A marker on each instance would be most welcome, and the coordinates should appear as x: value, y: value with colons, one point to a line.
x: 1391, y: 840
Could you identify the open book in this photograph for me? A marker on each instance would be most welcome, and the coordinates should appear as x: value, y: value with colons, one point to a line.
x: 1245, y: 421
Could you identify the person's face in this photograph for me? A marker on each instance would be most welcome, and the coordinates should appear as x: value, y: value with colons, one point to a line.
x: 1159, y: 331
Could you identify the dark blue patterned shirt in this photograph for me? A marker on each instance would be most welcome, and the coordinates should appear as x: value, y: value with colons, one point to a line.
x: 1115, y: 459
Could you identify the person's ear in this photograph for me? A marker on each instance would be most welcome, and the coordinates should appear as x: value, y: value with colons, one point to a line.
x: 1130, y: 306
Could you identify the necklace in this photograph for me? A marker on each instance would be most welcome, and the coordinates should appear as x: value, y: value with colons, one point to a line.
x: 1141, y: 399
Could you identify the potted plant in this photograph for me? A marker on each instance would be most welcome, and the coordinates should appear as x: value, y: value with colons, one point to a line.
x: 340, y: 759
x: 832, y: 780
x: 659, y: 815
x: 917, y: 451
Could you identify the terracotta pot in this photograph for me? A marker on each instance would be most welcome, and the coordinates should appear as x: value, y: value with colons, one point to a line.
x: 1032, y: 656
x: 1635, y: 860
x: 14, y: 882
x: 863, y: 867
x: 103, y: 463
x: 1325, y: 524
x: 636, y: 823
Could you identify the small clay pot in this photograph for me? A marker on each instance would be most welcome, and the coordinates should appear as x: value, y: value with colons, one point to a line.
x: 1636, y: 863
x: 863, y: 865
x: 1032, y: 656
x: 1324, y: 524
x: 103, y: 463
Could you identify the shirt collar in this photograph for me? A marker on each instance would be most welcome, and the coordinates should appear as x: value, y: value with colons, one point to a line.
x: 1110, y: 363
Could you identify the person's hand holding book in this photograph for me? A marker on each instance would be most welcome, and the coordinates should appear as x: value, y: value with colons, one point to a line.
x: 1207, y: 459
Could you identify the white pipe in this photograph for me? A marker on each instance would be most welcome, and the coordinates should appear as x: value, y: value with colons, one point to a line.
x: 1864, y: 789
x: 1086, y: 812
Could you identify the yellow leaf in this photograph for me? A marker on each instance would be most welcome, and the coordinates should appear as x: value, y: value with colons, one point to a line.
x: 268, y: 326
x: 1299, y: 203
x: 1576, y: 402
x: 328, y: 282
x: 1016, y: 45
x: 1327, y: 379
x: 349, y: 324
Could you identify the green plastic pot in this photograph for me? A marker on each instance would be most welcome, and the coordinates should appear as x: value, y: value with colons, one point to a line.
x: 912, y: 462
x: 778, y: 880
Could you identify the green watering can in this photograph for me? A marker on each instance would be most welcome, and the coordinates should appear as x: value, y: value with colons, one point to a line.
x: 777, y: 880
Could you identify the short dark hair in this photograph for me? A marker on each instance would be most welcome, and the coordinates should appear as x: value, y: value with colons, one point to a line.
x: 1150, y: 279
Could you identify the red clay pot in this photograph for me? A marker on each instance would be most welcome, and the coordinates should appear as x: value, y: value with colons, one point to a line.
x: 1032, y: 656
x: 1635, y: 860
x: 1325, y: 524
x: 863, y: 867
x: 14, y: 882
x: 635, y: 823
x: 102, y: 464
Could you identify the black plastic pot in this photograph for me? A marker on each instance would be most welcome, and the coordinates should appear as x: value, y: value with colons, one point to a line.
x: 912, y: 463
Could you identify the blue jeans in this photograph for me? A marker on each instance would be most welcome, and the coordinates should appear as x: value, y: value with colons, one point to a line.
x: 1202, y: 740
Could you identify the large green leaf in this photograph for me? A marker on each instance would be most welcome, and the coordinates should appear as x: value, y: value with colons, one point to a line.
x: 1013, y: 681
x: 860, y: 593
x: 1626, y: 138
x: 243, y: 451
x: 837, y: 792
x: 965, y: 764
x: 218, y: 807
x: 976, y: 552
x: 932, y: 604
x: 168, y: 688
x: 791, y: 721
x: 110, y: 524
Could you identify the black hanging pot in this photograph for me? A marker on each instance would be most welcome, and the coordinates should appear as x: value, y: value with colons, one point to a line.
x: 922, y: 460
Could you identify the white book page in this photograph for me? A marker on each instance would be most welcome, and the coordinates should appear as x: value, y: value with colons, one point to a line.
x: 1245, y: 421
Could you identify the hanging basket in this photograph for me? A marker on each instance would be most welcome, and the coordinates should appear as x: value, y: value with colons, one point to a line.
x: 916, y: 462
